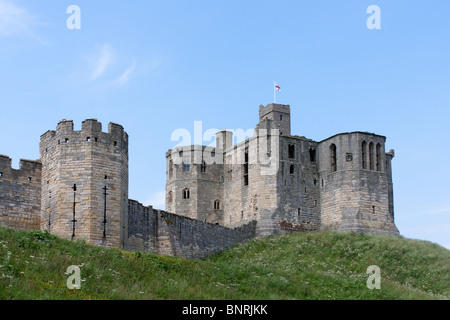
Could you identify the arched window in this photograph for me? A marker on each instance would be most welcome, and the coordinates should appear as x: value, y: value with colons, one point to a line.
x: 371, y: 156
x: 378, y: 156
x: 186, y: 193
x: 217, y: 205
x: 203, y: 166
x: 333, y: 156
x: 363, y: 154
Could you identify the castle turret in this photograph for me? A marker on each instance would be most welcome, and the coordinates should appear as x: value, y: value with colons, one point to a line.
x: 85, y: 183
x: 280, y: 114
x: 356, y: 184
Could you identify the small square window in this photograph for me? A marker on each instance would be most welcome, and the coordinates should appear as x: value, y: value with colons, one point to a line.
x: 88, y: 139
x: 115, y: 143
x: 1, y: 174
x: 29, y: 179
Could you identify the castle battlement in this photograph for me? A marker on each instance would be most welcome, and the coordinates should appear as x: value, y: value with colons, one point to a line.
x: 270, y: 183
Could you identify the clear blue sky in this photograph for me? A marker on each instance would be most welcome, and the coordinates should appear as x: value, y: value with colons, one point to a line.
x: 156, y: 66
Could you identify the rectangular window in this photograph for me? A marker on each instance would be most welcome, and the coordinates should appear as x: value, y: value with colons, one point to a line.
x: 291, y: 151
x: 186, y: 166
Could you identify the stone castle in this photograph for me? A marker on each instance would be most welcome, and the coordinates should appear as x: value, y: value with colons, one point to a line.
x: 270, y: 183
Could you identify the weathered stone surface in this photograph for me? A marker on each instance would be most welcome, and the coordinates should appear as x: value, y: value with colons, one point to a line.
x: 270, y: 183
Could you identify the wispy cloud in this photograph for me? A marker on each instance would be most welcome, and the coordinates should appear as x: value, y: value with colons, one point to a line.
x: 15, y: 20
x: 125, y: 77
x: 102, y: 60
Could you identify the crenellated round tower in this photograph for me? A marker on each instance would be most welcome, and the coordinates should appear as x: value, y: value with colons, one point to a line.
x: 85, y: 183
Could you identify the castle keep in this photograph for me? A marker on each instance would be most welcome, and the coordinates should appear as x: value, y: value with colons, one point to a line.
x: 285, y: 182
x: 270, y: 183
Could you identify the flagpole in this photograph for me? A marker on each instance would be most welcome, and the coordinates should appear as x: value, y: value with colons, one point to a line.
x: 274, y: 94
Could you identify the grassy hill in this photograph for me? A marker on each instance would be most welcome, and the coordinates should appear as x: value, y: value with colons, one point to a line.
x: 300, y: 266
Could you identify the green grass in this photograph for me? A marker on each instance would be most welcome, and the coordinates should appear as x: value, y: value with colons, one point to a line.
x: 327, y: 265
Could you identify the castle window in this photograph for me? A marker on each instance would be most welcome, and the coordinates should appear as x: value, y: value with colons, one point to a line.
x: 186, y: 166
x: 106, y: 177
x: 1, y: 174
x: 363, y: 154
x: 322, y: 183
x: 217, y: 205
x: 292, y: 169
x: 96, y: 139
x: 371, y: 156
x: 299, y: 211
x: 186, y: 194
x: 333, y: 161
x: 203, y: 166
x: 373, y: 209
x: 67, y: 140
x: 281, y: 117
x: 170, y: 197
x: 312, y: 154
x: 88, y: 139
x: 378, y: 156
x: 29, y: 179
x: 115, y: 143
x: 291, y: 149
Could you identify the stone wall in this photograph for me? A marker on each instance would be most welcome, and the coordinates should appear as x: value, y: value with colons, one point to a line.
x: 165, y: 233
x: 20, y: 194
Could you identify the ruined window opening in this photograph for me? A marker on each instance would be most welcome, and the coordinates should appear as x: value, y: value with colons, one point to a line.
x: 333, y: 160
x: 322, y: 183
x: 292, y: 169
x: 291, y: 149
x: 378, y: 157
x: 299, y: 211
x: 170, y: 197
x: 363, y: 154
x: 115, y: 143
x: 371, y: 156
x: 29, y: 179
x: 373, y: 209
x: 67, y: 140
x: 186, y: 166
x: 315, y: 182
x: 305, y: 190
x: 1, y: 174
x: 217, y: 205
x: 281, y: 117
x: 59, y: 141
x: 106, y: 177
x: 186, y: 194
x: 96, y: 139
x: 312, y: 154
x: 88, y: 139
